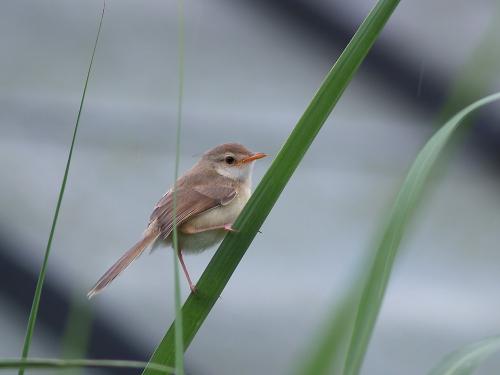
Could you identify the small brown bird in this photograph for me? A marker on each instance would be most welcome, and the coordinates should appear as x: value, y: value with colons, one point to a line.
x: 209, y: 198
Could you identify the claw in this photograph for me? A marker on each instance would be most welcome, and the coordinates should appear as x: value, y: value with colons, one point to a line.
x: 229, y: 228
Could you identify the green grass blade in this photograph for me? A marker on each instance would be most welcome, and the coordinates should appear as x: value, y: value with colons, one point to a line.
x: 375, y: 285
x: 41, y: 275
x: 179, y: 339
x: 45, y: 363
x: 467, y: 359
x: 232, y: 249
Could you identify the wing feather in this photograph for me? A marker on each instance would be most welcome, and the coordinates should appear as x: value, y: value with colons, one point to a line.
x: 190, y: 202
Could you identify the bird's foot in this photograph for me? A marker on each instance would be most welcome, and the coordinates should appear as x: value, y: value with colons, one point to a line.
x: 229, y: 228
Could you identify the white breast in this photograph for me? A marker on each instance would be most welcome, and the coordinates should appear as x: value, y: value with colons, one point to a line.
x: 216, y: 217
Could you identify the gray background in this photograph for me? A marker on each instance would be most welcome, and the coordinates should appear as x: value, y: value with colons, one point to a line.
x: 249, y: 74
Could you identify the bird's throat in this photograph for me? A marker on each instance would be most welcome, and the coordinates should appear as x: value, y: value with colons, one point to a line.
x: 242, y: 174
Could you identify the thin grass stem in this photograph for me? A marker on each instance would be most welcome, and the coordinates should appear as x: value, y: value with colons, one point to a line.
x: 45, y: 363
x: 179, y: 344
x: 41, y: 275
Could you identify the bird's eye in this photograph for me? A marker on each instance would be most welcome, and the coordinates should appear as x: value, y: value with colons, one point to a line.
x: 229, y: 160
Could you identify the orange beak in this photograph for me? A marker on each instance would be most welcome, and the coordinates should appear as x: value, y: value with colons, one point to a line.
x: 257, y: 155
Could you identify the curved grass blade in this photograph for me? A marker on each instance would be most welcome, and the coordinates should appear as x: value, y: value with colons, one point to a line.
x: 467, y: 359
x: 375, y: 285
x: 41, y: 276
x: 45, y: 363
x: 179, y: 345
x: 232, y: 249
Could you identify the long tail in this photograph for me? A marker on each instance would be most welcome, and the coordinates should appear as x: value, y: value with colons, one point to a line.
x: 123, y: 262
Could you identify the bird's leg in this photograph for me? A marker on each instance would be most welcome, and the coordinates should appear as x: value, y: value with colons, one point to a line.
x: 189, y: 229
x: 184, y: 268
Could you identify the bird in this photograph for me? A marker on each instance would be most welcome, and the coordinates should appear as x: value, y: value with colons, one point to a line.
x: 208, y: 199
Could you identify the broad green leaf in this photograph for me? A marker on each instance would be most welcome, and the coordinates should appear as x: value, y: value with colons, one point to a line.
x: 375, y: 285
x: 467, y: 359
x: 232, y: 249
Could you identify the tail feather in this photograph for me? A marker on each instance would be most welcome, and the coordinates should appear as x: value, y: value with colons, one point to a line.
x: 123, y: 263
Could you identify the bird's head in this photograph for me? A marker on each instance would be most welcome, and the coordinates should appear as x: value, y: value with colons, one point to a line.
x: 232, y: 160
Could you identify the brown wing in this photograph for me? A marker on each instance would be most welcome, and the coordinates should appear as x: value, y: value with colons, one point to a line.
x: 190, y: 202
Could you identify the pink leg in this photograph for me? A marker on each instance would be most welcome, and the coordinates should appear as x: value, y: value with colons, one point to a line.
x: 184, y: 268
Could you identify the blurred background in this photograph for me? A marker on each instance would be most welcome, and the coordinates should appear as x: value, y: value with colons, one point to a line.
x: 251, y: 68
